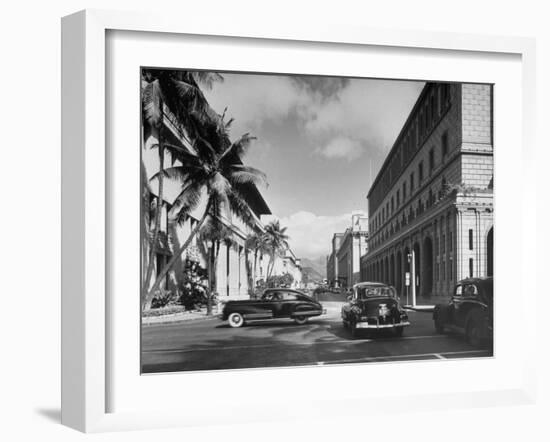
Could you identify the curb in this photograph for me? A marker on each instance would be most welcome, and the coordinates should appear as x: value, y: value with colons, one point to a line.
x: 173, y: 320
x: 420, y: 308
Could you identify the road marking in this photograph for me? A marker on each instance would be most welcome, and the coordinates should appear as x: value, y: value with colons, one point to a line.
x: 293, y: 344
x: 409, y: 356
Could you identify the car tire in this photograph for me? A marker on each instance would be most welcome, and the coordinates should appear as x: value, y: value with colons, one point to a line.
x: 300, y: 320
x: 236, y: 320
x: 474, y: 330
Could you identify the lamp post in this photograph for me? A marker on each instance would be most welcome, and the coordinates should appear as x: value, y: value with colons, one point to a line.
x: 411, y: 258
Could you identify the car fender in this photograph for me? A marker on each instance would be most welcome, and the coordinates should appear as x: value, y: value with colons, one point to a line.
x: 441, y: 313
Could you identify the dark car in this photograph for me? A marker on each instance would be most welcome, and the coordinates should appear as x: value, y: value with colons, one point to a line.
x: 470, y: 311
x: 274, y: 303
x: 374, y: 306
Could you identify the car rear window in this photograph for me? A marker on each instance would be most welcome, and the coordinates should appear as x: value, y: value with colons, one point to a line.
x: 375, y: 291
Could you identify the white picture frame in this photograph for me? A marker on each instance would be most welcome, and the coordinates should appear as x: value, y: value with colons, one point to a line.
x: 86, y: 315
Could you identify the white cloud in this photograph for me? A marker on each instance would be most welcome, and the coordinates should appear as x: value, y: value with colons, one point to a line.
x: 253, y: 99
x: 341, y: 147
x: 364, y: 114
x: 372, y: 111
x: 311, y: 235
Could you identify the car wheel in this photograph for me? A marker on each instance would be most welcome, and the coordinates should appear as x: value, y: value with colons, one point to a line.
x: 398, y: 331
x: 236, y: 320
x: 301, y: 320
x: 345, y: 323
x: 473, y: 332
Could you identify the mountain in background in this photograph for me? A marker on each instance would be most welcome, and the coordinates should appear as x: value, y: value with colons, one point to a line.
x: 314, y: 269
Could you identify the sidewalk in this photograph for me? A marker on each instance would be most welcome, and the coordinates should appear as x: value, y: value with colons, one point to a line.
x: 425, y: 304
x: 180, y: 316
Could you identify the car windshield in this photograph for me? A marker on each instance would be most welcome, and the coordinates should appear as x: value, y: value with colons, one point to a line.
x: 375, y: 292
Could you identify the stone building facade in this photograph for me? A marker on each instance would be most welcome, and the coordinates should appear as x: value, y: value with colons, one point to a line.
x: 232, y: 281
x: 332, y: 261
x: 347, y: 248
x: 432, y: 200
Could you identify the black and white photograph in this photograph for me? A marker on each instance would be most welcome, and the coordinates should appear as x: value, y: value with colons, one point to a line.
x: 295, y: 220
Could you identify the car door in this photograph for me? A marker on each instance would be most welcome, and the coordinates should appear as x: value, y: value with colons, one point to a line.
x: 456, y: 305
x: 276, y: 304
x: 469, y: 294
x: 290, y: 302
x: 351, y: 301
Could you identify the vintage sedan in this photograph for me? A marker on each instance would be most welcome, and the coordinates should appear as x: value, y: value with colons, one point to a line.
x: 274, y: 303
x: 469, y: 311
x: 373, y: 306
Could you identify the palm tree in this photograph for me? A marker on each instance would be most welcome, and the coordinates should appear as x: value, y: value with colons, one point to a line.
x: 177, y: 92
x: 219, y: 173
x: 257, y: 242
x: 211, y: 235
x: 277, y: 242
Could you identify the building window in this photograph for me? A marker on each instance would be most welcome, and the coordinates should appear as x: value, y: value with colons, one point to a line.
x: 444, y: 144
x: 471, y: 239
x: 404, y: 190
x: 412, y: 182
x: 397, y: 198
x: 392, y: 208
x: 431, y: 160
x: 420, y: 171
x: 443, y: 245
x: 450, y: 241
x: 471, y: 267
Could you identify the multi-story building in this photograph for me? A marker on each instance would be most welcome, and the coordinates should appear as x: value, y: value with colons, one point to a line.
x: 287, y: 263
x: 347, y: 248
x: 232, y: 279
x: 332, y: 261
x: 431, y: 204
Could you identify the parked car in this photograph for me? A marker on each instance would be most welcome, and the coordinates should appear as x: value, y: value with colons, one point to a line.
x: 374, y: 306
x: 470, y: 311
x: 274, y: 303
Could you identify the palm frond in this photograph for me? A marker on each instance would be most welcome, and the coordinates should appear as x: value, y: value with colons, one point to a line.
x: 188, y: 199
x: 152, y: 99
x: 241, y: 174
x: 239, y: 206
x: 207, y: 78
x: 239, y: 147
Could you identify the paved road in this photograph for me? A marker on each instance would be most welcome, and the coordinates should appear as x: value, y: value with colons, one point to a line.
x: 210, y: 344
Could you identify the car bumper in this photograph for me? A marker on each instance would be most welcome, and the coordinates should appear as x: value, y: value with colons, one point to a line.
x: 376, y: 326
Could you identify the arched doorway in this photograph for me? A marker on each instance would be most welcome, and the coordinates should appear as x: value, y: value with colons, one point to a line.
x: 490, y: 253
x: 427, y: 272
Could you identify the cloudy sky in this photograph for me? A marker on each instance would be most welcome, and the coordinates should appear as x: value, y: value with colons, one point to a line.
x: 319, y: 138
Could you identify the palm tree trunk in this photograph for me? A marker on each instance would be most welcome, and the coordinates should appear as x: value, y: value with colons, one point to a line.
x: 158, y: 214
x: 254, y: 272
x: 210, y: 281
x: 175, y: 257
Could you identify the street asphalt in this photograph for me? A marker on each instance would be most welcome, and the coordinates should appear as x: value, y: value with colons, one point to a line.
x: 210, y: 344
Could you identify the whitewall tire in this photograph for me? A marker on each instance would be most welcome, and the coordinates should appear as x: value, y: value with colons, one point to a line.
x: 235, y: 320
